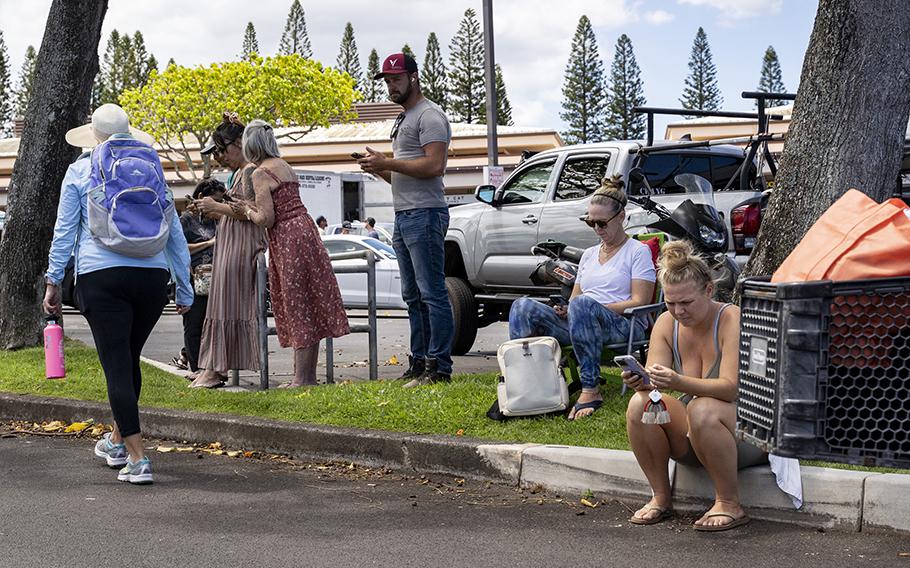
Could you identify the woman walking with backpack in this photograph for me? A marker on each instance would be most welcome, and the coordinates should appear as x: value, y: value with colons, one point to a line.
x: 122, y: 276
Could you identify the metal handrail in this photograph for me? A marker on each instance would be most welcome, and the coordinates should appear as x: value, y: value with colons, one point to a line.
x: 368, y: 267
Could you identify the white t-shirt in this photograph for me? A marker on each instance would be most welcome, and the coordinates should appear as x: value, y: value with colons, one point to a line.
x: 612, y: 281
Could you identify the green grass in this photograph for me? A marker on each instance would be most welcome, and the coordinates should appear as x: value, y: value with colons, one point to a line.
x: 458, y: 407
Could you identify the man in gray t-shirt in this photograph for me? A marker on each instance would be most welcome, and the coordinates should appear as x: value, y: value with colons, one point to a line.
x: 420, y: 141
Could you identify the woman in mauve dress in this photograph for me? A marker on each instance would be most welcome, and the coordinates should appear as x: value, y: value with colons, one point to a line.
x: 230, y: 334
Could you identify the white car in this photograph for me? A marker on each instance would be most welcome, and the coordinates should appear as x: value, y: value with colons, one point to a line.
x: 354, y: 286
x: 359, y: 228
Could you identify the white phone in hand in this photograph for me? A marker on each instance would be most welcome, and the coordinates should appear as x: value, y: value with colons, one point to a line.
x: 631, y: 364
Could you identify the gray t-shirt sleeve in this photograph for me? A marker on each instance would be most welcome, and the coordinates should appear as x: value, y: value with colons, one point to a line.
x: 433, y: 127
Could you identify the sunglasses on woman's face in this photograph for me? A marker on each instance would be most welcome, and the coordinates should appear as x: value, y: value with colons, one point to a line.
x: 599, y: 223
x: 221, y: 149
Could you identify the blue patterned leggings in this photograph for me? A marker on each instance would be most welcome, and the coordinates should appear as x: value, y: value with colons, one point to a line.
x: 588, y: 328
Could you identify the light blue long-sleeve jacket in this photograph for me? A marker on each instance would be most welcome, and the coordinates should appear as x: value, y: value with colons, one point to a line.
x: 72, y: 236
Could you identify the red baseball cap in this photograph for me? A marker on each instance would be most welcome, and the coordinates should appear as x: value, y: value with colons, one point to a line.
x: 396, y: 64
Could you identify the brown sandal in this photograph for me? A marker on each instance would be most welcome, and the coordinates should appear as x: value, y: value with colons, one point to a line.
x: 734, y: 522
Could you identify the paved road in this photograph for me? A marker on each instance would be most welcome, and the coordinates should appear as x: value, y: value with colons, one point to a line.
x: 351, y: 351
x: 59, y: 507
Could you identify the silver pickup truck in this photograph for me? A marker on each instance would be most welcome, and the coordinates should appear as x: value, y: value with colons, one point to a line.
x: 488, y: 244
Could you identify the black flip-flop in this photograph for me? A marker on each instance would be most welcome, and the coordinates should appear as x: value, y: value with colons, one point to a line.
x: 593, y: 405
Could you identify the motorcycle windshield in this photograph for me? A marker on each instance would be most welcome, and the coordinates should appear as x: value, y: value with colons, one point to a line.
x: 706, y: 222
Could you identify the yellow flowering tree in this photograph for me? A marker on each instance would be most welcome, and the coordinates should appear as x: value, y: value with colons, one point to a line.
x: 182, y: 106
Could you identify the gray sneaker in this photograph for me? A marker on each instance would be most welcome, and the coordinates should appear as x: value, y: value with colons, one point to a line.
x: 429, y: 376
x: 113, y: 454
x: 139, y: 473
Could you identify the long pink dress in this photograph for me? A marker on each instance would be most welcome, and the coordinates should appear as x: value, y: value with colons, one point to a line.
x: 306, y: 301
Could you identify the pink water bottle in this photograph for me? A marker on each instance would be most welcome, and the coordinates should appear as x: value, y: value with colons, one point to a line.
x: 53, y: 349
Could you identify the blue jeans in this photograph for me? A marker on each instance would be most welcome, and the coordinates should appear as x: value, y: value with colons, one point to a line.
x: 419, y: 242
x: 588, y: 328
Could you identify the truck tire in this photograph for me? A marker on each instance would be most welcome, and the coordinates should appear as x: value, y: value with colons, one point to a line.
x: 464, y: 312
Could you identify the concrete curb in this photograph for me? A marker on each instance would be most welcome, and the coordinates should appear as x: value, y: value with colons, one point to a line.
x: 833, y: 498
x: 431, y: 454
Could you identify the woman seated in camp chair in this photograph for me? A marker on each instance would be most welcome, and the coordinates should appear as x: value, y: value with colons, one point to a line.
x: 613, y: 275
x: 694, y: 349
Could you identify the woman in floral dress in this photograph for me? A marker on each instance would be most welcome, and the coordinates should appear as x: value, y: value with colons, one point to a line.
x: 306, y: 301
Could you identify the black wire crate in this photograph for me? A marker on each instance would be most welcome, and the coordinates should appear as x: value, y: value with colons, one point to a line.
x: 824, y: 370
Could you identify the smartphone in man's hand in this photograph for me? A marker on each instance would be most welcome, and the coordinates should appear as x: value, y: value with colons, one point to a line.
x: 357, y: 155
x: 557, y: 300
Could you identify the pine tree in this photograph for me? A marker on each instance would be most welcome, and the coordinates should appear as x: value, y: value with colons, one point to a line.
x: 145, y: 62
x: 294, y: 39
x: 170, y: 62
x: 433, y: 74
x: 406, y: 50
x: 466, y: 56
x: 503, y: 107
x: 374, y: 91
x: 6, y: 90
x: 771, y: 81
x: 701, y: 92
x: 126, y: 64
x: 250, y: 43
x: 625, y: 93
x: 348, y: 59
x: 26, y: 76
x: 584, y: 92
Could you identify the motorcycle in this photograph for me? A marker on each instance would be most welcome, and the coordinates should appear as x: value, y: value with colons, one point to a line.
x: 696, y: 220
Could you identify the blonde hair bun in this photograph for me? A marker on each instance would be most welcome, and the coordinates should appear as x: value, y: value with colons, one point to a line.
x: 611, y: 193
x: 679, y: 263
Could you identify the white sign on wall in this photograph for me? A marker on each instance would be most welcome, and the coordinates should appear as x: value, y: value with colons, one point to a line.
x: 317, y: 181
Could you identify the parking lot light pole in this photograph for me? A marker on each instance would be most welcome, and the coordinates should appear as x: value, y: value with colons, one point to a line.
x: 490, y: 78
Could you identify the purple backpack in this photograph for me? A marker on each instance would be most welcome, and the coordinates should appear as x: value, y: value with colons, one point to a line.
x: 129, y: 206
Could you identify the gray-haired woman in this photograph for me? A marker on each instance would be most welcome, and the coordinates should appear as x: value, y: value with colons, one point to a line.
x: 305, y: 297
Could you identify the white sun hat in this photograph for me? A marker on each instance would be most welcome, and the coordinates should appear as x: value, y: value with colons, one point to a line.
x: 107, y: 119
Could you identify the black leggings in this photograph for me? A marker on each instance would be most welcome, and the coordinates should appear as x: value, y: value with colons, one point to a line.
x: 192, y: 330
x: 122, y: 306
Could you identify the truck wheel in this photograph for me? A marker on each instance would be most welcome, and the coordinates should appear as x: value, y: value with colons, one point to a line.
x: 464, y: 312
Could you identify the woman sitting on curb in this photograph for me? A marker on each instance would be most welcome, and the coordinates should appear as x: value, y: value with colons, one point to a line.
x: 613, y: 275
x: 694, y: 350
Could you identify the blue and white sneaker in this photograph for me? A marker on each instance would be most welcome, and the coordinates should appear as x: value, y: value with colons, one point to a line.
x: 139, y: 473
x: 113, y: 454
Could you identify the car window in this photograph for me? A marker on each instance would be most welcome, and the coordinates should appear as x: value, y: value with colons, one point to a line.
x: 382, y: 247
x: 529, y: 185
x: 725, y: 167
x: 336, y: 247
x: 660, y: 169
x: 580, y: 177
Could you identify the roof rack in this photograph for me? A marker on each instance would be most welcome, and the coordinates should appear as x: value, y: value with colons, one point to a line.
x: 761, y: 116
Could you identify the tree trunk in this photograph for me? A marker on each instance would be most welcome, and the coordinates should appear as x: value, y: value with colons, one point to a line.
x: 848, y: 124
x: 67, y: 64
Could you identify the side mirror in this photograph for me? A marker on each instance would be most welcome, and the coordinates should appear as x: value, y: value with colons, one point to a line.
x: 485, y: 194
